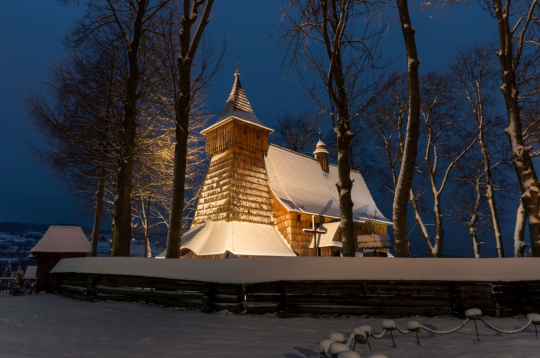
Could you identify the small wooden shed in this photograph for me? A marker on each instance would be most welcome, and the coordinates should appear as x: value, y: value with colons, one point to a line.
x: 59, y: 242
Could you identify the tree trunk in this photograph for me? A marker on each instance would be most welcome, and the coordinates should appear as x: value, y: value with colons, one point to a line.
x: 405, y: 179
x: 174, y: 238
x: 490, y: 192
x: 528, y: 180
x: 122, y: 203
x: 420, y: 223
x: 519, y: 233
x: 147, y: 247
x: 344, y: 187
x: 98, y: 212
x: 439, y: 229
x: 474, y: 237
x: 113, y: 238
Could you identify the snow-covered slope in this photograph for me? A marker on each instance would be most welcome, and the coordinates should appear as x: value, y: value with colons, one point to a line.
x: 55, y: 326
x: 270, y: 269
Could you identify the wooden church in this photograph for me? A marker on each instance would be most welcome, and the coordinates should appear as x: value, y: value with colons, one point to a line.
x: 264, y: 200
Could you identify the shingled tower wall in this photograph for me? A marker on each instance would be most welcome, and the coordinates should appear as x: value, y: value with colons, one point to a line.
x: 236, y: 185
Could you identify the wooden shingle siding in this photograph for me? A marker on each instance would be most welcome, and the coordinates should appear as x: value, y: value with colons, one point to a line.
x: 235, y: 188
x: 237, y: 133
x: 292, y: 229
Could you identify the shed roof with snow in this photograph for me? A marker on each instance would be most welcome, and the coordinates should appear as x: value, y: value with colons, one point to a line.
x: 63, y: 239
x: 299, y: 184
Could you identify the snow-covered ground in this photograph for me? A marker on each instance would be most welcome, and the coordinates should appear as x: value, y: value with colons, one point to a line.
x: 54, y: 326
x: 263, y: 269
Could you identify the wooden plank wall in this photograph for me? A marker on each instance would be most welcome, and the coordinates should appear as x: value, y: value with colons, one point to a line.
x: 292, y: 229
x: 237, y: 133
x: 166, y: 292
x: 289, y: 298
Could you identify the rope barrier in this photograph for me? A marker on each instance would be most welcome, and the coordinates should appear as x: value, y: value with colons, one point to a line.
x: 505, y: 331
x: 445, y: 332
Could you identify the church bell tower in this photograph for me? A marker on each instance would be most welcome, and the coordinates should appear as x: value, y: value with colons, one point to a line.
x: 236, y: 185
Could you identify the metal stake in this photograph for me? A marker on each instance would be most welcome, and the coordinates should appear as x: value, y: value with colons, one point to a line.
x: 476, y: 328
x: 417, y: 340
x: 354, y: 346
x: 536, y: 331
x: 369, y: 344
x: 394, y: 343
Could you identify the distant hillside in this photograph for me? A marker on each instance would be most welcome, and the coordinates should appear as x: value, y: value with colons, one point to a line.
x: 22, y: 228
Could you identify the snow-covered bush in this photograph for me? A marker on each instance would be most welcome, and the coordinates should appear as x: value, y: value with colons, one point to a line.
x: 5, y: 284
x: 8, y: 272
x: 337, y: 337
x: 337, y: 348
x: 324, y: 347
x: 17, y: 287
x: 348, y: 354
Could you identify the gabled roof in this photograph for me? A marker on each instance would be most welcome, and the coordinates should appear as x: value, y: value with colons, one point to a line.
x: 63, y: 239
x: 300, y: 185
x: 237, y: 106
x: 239, y: 238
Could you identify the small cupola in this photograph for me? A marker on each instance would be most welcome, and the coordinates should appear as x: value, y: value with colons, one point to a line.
x: 321, y: 154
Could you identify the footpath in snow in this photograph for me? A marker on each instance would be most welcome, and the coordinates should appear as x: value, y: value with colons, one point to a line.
x: 54, y: 326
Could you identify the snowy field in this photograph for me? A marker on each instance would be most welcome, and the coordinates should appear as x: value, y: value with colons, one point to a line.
x: 53, y: 326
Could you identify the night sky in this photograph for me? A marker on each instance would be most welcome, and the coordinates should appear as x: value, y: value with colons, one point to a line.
x: 30, y: 42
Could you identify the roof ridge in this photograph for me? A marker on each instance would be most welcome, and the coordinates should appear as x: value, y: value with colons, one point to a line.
x: 307, y: 156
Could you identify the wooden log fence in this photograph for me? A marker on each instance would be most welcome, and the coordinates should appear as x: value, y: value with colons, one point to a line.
x: 290, y: 298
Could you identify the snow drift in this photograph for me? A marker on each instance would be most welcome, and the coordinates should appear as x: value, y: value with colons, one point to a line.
x: 271, y: 269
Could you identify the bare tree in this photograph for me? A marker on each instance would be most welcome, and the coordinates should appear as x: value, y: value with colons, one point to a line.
x: 298, y: 132
x: 518, y: 56
x: 337, y: 40
x: 473, y: 69
x: 81, y: 126
x: 412, y: 133
x: 467, y: 206
x: 186, y: 86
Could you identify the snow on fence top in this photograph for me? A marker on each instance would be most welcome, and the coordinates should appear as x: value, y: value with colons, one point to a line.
x: 63, y: 239
x: 272, y: 269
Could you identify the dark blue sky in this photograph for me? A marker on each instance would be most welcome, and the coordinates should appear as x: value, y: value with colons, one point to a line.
x: 30, y: 42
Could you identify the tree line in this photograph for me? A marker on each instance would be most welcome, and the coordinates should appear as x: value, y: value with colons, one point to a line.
x: 124, y: 110
x: 123, y: 113
x: 413, y: 135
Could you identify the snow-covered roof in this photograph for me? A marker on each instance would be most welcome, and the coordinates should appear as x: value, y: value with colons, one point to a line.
x: 237, y: 106
x: 63, y: 239
x: 374, y: 241
x: 31, y: 272
x: 327, y: 239
x: 239, y: 238
x: 274, y: 269
x: 300, y: 185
